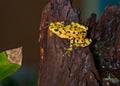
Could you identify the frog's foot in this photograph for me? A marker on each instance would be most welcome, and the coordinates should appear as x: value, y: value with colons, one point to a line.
x: 67, y: 52
x: 69, y: 49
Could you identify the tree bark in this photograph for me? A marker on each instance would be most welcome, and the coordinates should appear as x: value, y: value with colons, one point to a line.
x: 106, y: 48
x: 78, y: 69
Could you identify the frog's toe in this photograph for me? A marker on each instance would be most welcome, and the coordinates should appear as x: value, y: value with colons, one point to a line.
x: 67, y: 52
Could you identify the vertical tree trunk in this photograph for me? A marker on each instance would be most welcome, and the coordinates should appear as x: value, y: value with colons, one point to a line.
x: 106, y: 50
x: 78, y: 69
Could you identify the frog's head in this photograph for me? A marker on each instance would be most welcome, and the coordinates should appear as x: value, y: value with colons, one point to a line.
x: 54, y: 27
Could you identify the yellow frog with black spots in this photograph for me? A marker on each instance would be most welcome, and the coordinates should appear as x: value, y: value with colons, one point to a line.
x: 75, y: 32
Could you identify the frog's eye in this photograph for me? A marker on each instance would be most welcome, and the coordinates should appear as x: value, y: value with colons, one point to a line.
x: 56, y: 30
x: 68, y: 31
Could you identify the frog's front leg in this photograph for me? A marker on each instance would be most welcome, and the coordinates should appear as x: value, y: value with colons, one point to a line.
x: 68, y: 50
x: 71, y: 45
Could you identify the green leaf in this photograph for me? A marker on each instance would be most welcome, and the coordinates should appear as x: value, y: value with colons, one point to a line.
x: 6, y: 67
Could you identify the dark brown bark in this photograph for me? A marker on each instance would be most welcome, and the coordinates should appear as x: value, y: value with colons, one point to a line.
x: 106, y: 47
x: 78, y: 69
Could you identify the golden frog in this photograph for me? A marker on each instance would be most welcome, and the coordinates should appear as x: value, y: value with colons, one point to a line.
x: 75, y: 32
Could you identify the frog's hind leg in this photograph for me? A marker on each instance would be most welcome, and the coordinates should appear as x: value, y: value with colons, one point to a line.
x: 78, y: 42
x: 84, y: 43
x: 87, y: 42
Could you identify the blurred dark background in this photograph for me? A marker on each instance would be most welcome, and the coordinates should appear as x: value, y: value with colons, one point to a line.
x: 19, y: 26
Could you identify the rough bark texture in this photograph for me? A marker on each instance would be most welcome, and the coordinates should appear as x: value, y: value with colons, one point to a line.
x: 78, y: 69
x: 106, y: 47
